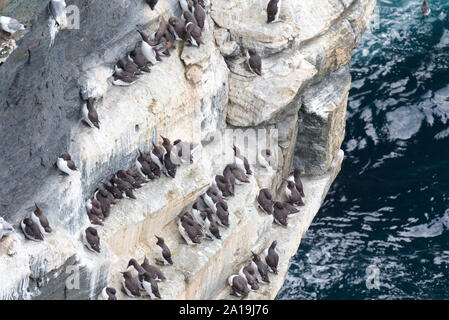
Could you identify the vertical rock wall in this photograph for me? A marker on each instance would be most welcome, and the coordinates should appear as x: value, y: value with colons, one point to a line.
x: 205, y: 95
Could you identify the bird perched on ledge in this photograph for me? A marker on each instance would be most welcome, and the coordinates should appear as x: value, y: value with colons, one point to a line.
x: 41, y: 220
x: 108, y: 294
x: 273, y: 10
x: 31, y: 230
x: 89, y: 113
x: 239, y: 285
x: 66, y: 164
x: 254, y: 61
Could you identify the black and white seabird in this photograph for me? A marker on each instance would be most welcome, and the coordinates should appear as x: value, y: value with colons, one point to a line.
x: 293, y: 195
x: 31, y: 230
x: 196, y: 213
x: 10, y: 25
x: 153, y: 271
x: 296, y: 178
x: 58, y: 18
x: 5, y: 228
x: 239, y: 285
x: 152, y: 3
x: 265, y: 200
x: 230, y: 179
x: 164, y: 47
x: 238, y: 173
x: 273, y: 10
x: 169, y: 165
x: 210, y: 225
x: 124, y: 175
x: 123, y: 79
x: 223, y: 186
x: 193, y: 34
x: 116, y: 192
x: 93, y: 207
x: 93, y: 218
x: 41, y: 220
x: 264, y: 158
x: 133, y: 263
x: 124, y: 65
x: 280, y: 214
x: 178, y: 28
x: 155, y: 169
x: 185, y: 150
x: 254, y: 61
x: 140, y: 270
x: 91, y: 239
x: 190, y: 230
x: 66, y: 164
x: 102, y: 196
x: 147, y: 49
x: 150, y: 286
x: 125, y: 187
x: 139, y: 60
x: 222, y: 213
x: 189, y: 17
x: 199, y: 13
x: 157, y: 156
x: 249, y: 274
x: 164, y: 252
x: 260, y: 269
x: 89, y: 113
x: 108, y: 293
x: 425, y: 9
x: 209, y: 198
x: 287, y: 207
x: 272, y: 258
x: 161, y: 31
x: 241, y: 161
x: 130, y: 285
x: 143, y: 166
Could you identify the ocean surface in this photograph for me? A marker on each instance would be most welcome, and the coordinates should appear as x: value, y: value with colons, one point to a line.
x: 383, y: 231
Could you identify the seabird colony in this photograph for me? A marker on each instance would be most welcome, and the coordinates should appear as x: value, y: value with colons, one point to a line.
x: 210, y: 211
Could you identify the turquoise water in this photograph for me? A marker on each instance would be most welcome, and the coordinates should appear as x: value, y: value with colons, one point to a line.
x: 388, y: 210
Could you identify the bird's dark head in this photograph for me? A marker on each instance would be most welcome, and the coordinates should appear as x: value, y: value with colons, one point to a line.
x: 111, y: 291
x: 251, y: 51
x: 173, y: 21
x: 38, y: 210
x: 256, y: 257
x: 65, y: 156
x: 160, y: 241
x: 132, y: 262
x: 92, y: 231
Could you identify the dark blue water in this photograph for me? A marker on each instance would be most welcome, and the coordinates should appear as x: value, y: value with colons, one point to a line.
x: 389, y: 207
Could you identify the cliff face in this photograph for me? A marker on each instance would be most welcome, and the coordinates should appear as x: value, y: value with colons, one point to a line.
x: 205, y: 95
